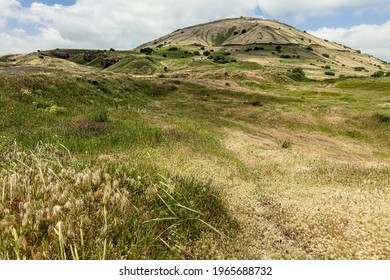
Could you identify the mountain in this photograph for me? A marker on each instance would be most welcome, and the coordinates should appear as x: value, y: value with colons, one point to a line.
x: 274, y: 44
x: 263, y: 43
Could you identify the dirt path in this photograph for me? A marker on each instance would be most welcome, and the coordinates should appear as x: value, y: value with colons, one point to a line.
x: 25, y: 70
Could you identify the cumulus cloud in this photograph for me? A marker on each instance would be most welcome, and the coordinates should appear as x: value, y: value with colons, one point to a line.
x: 112, y: 23
x: 124, y: 24
x: 306, y: 8
x: 372, y: 39
x: 8, y: 9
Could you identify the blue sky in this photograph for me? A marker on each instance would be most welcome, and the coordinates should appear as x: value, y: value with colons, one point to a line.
x: 27, y: 3
x: 28, y: 25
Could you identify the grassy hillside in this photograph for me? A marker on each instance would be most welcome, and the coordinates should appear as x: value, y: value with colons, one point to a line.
x: 189, y: 151
x: 148, y: 168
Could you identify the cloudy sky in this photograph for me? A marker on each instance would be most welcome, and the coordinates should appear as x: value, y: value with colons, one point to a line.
x: 29, y: 25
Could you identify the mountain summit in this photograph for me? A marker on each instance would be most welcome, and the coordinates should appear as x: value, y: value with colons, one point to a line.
x: 242, y: 32
x: 271, y: 43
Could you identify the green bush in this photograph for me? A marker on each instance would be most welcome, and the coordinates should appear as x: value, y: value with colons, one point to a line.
x: 326, y: 55
x: 206, y: 53
x: 297, y: 74
x: 378, y: 74
x: 220, y: 58
x: 359, y: 69
x: 309, y: 48
x: 146, y: 50
x: 330, y: 73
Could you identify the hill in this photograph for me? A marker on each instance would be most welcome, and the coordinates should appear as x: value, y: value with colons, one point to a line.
x: 196, y: 150
x: 273, y: 44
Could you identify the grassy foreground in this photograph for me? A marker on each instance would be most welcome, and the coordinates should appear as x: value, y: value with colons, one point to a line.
x: 117, y: 167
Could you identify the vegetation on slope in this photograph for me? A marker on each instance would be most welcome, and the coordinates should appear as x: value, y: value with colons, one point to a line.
x: 193, y: 152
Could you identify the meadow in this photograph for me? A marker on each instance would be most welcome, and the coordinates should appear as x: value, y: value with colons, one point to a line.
x: 198, y: 161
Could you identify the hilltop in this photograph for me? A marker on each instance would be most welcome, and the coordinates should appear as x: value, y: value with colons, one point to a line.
x: 238, y: 139
x: 273, y: 44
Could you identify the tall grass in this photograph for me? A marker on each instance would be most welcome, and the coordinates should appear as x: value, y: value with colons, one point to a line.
x: 56, y: 207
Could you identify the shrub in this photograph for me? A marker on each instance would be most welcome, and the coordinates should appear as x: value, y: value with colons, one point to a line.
x: 146, y: 50
x: 278, y: 48
x: 285, y: 56
x: 326, y: 55
x: 286, y: 144
x: 330, y: 73
x: 359, y: 69
x: 206, y: 53
x: 249, y: 49
x: 378, y: 74
x: 220, y: 58
x: 173, y: 49
x: 388, y: 74
x: 309, y: 48
x: 259, y: 48
x: 243, y: 31
x: 297, y: 74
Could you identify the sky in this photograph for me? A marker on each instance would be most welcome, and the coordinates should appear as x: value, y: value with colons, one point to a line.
x: 31, y: 25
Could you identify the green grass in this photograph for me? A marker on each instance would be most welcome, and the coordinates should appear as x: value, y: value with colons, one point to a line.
x: 106, y: 165
x: 102, y: 210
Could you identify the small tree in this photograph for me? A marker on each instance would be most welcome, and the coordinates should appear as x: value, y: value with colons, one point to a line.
x: 278, y: 48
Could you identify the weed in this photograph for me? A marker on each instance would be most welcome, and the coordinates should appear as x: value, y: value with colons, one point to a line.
x: 286, y: 144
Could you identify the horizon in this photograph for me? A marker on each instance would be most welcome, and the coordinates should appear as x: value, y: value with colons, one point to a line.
x: 26, y: 26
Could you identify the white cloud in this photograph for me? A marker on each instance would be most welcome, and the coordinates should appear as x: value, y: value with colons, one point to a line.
x: 113, y: 23
x: 305, y: 8
x: 372, y: 39
x: 8, y: 9
x: 124, y: 24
